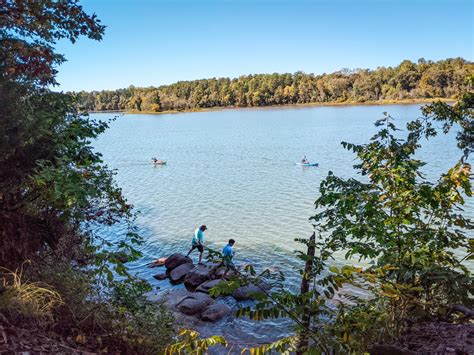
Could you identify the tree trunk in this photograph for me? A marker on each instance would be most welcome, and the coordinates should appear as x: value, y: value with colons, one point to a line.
x: 305, y: 282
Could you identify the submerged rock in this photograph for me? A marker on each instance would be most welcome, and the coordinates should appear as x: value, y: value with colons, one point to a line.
x: 196, y: 276
x: 215, y: 312
x: 194, y: 303
x: 178, y: 273
x: 161, y: 276
x: 176, y: 260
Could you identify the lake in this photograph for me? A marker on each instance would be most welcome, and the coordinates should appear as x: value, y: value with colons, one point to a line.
x: 234, y: 170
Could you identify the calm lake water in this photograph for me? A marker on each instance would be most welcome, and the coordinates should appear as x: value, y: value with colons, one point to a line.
x: 234, y: 170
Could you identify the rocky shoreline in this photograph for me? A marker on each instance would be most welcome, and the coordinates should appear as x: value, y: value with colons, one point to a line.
x: 194, y: 300
x: 192, y: 305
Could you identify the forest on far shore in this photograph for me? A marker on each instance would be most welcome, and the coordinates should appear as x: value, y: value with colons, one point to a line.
x: 422, y: 80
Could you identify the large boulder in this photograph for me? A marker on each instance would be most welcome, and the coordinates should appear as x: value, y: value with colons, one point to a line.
x: 171, y: 298
x: 176, y: 260
x: 206, y: 286
x: 197, y: 276
x: 249, y: 291
x: 215, y: 312
x: 219, y: 273
x: 178, y: 273
x: 213, y: 266
x: 194, y: 303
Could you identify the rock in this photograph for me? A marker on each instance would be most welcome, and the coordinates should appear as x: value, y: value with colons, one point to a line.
x: 206, y: 286
x: 175, y: 260
x: 220, y: 272
x: 178, y: 273
x: 212, y: 266
x: 194, y: 303
x: 161, y: 276
x: 170, y: 297
x: 197, y: 276
x: 248, y: 292
x: 215, y: 312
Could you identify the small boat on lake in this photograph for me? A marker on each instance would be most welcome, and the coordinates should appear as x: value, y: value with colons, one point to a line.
x: 307, y: 164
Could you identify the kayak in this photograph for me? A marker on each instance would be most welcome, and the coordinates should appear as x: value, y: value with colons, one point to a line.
x: 159, y: 162
x: 313, y: 164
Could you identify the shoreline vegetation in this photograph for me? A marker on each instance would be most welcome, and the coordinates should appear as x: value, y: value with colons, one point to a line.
x: 286, y: 106
x: 421, y: 82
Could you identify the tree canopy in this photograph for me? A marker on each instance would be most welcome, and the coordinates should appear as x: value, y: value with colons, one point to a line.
x: 29, y: 30
x: 421, y: 80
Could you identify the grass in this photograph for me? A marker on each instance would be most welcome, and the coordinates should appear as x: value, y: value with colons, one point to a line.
x: 21, y: 298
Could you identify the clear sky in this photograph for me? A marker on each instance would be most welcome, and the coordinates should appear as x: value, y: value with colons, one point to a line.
x: 155, y: 42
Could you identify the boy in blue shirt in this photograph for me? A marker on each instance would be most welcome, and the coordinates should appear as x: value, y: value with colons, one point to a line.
x: 198, y: 241
x: 228, y: 254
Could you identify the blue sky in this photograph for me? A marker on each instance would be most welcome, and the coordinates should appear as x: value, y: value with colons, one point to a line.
x: 155, y: 42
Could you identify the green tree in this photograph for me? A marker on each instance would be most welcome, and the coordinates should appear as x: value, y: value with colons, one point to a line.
x: 55, y: 190
x: 29, y: 30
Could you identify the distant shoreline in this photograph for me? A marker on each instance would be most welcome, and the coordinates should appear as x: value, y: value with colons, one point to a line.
x: 302, y: 105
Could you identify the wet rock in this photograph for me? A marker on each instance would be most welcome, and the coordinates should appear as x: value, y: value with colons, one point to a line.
x: 194, y: 303
x: 249, y: 292
x: 215, y: 312
x: 196, y: 276
x: 161, y: 276
x: 206, y: 286
x: 176, y: 260
x: 178, y: 273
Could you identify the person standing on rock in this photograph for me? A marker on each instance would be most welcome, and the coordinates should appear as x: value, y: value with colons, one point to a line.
x: 228, y: 255
x: 198, y: 241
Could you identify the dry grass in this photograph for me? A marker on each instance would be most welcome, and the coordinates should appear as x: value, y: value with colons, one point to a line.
x: 26, y: 299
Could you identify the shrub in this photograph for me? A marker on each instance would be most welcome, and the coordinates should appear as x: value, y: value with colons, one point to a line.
x: 114, y: 317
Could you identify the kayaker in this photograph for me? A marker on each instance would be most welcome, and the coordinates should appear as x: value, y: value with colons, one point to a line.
x: 228, y: 255
x: 198, y: 241
x: 304, y: 160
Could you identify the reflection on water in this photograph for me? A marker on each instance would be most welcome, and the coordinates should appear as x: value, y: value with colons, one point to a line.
x: 235, y: 171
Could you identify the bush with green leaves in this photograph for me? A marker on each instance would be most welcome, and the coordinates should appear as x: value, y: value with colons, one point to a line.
x: 398, y: 218
x: 413, y: 231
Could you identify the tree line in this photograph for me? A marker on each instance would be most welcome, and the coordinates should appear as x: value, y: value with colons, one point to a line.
x: 422, y: 80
